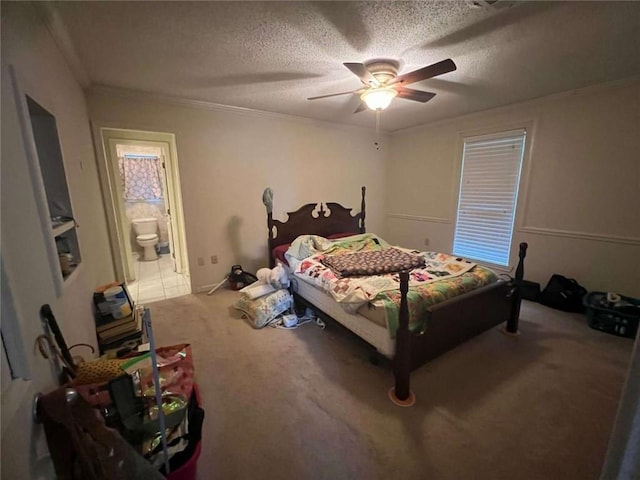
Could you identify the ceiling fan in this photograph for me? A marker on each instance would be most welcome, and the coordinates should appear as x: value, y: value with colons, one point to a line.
x: 383, y: 84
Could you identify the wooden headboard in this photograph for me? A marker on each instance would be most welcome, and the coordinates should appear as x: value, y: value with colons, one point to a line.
x: 329, y: 218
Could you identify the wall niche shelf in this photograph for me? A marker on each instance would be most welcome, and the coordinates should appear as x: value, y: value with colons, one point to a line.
x: 71, y: 275
x: 64, y: 249
x: 60, y: 227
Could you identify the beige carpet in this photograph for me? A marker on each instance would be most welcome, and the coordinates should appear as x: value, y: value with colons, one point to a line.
x: 308, y: 404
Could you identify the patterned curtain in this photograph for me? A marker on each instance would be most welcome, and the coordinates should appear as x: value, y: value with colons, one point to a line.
x: 141, y: 177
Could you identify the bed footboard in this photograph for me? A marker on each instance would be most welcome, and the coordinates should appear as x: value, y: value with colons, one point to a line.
x: 451, y: 323
x: 457, y: 320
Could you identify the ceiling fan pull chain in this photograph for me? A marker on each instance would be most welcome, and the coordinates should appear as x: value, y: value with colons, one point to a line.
x: 377, y: 142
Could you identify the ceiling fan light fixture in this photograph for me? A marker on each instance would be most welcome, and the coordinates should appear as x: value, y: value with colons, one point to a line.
x: 379, y: 98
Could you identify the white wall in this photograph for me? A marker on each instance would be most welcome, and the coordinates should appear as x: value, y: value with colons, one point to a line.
x: 580, y: 201
x: 43, y: 74
x: 226, y: 159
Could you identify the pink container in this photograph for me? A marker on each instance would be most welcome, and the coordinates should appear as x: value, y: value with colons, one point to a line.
x: 189, y: 469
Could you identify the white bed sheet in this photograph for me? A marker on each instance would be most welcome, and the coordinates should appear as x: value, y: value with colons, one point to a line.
x: 368, y: 329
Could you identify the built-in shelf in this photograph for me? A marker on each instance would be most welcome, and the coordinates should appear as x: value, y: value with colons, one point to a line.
x: 71, y: 274
x: 55, y: 207
x: 60, y: 228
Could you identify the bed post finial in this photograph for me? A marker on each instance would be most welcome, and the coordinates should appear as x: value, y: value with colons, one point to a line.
x: 362, y: 211
x: 267, y: 199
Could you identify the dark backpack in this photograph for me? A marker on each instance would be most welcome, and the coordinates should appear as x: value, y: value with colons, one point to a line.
x: 563, y: 293
x: 238, y: 278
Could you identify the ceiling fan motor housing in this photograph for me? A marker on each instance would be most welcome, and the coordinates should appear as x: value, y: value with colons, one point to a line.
x: 383, y: 69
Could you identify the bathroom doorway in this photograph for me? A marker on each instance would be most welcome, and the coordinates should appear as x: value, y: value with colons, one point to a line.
x: 144, y: 190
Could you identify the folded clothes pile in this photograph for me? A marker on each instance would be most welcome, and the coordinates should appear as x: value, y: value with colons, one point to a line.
x: 264, y: 309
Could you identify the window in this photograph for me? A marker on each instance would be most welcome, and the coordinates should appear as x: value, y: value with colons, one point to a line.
x: 140, y: 177
x: 491, y: 166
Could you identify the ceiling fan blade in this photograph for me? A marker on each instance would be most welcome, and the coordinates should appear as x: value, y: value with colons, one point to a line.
x: 363, y: 73
x: 332, y: 95
x: 361, y: 108
x: 423, y: 73
x: 417, y: 95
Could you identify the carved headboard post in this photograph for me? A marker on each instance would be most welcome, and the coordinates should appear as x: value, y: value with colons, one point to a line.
x: 272, y: 262
x: 362, y: 211
x: 322, y: 219
x: 267, y: 199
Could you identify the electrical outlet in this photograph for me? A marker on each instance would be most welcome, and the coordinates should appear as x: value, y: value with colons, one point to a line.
x: 426, y: 242
x: 201, y: 261
x: 214, y: 259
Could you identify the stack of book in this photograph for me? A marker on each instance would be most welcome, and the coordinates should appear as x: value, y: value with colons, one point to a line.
x: 114, y: 333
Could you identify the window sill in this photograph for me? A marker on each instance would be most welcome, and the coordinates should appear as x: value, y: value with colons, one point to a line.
x: 495, y: 267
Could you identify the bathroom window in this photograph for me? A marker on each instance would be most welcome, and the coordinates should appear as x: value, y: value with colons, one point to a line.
x: 141, y: 177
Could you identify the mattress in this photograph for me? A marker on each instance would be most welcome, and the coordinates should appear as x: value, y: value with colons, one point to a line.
x: 371, y: 328
x: 375, y: 313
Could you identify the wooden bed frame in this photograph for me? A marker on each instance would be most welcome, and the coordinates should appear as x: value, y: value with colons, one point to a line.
x: 450, y: 323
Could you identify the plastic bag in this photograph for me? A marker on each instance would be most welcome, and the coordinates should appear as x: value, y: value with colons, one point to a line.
x: 175, y: 370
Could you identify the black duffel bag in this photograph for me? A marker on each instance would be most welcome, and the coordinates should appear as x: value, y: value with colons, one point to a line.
x: 563, y: 293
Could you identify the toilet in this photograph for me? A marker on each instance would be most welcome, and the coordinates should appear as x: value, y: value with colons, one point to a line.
x: 147, y: 236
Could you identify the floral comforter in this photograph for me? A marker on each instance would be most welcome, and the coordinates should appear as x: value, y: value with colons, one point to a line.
x: 442, y: 277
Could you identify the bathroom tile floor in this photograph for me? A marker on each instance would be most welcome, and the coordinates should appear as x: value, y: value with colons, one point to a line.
x: 156, y: 280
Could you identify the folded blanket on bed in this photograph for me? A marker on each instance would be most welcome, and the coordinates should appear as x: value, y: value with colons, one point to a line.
x: 306, y: 245
x: 388, y: 260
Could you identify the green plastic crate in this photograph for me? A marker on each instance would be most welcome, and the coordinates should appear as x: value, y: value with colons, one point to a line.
x: 622, y: 321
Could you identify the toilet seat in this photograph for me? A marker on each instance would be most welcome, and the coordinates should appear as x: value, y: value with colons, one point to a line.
x: 147, y: 237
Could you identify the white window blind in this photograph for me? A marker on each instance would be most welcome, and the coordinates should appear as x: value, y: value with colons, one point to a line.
x: 491, y: 167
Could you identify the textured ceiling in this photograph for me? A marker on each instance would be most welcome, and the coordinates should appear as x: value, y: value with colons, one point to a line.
x: 271, y: 56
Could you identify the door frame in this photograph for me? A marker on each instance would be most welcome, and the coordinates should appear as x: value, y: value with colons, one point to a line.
x: 106, y: 137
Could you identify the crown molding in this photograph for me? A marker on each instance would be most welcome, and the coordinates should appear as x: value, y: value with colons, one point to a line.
x: 140, y: 95
x: 554, y: 97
